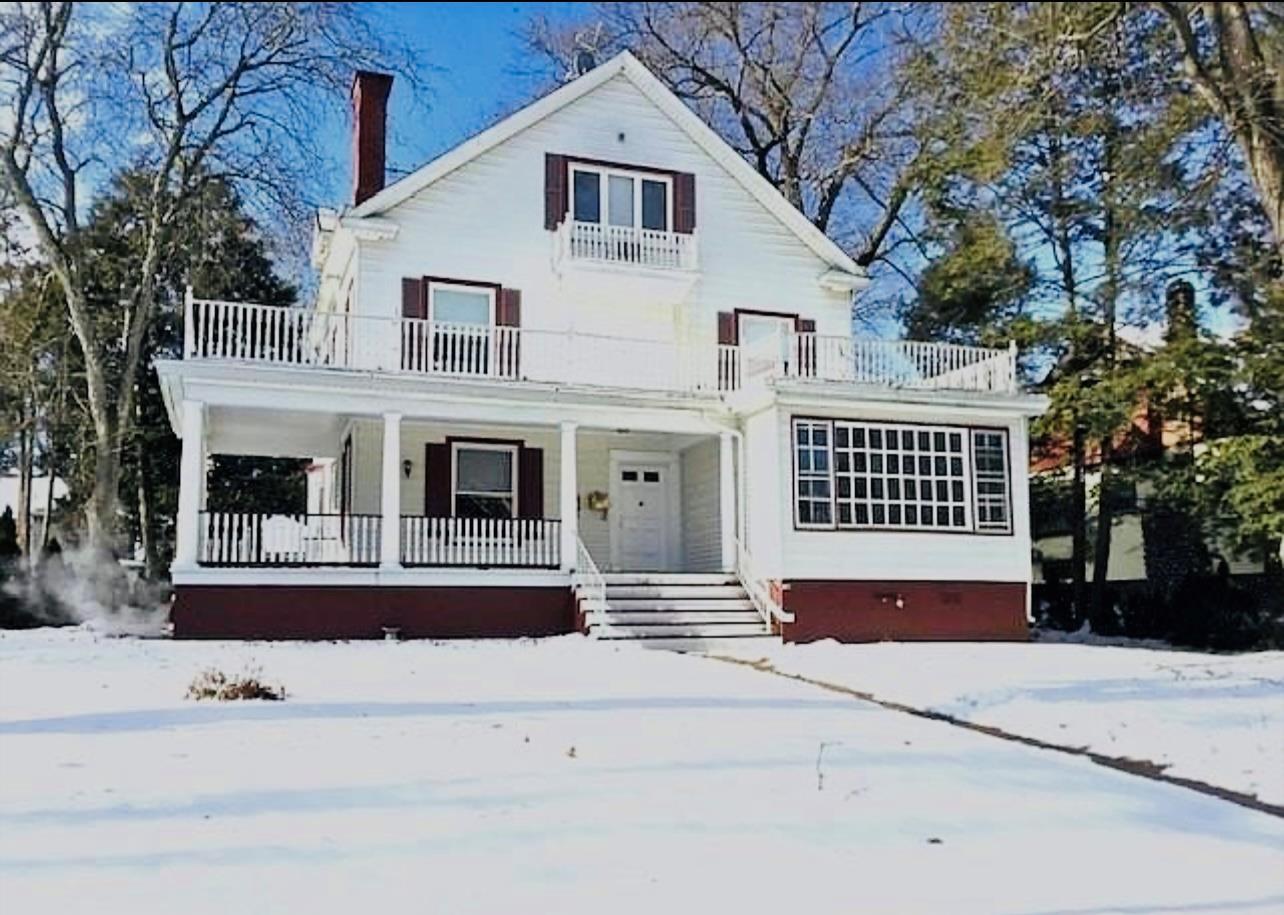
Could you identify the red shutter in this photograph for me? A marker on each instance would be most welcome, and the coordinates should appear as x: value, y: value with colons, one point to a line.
x: 414, y: 304
x: 437, y: 480
x: 684, y: 203
x: 508, y: 312
x: 728, y: 333
x: 530, y: 482
x: 556, y: 198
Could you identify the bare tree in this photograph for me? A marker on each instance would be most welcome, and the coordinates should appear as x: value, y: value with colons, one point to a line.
x: 1233, y: 55
x: 809, y: 93
x: 187, y: 90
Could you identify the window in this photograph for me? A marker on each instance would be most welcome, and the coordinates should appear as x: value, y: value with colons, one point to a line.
x: 813, y: 473
x: 764, y: 341
x: 905, y: 477
x: 456, y: 304
x: 627, y: 199
x: 990, y: 460
x: 485, y: 480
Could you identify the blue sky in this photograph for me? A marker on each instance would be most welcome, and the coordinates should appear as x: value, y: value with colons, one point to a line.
x: 472, y: 60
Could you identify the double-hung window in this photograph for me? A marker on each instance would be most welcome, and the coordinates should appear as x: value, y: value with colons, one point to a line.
x: 990, y: 467
x: 485, y: 480
x: 813, y: 473
x: 900, y: 476
x: 462, y: 317
x: 616, y: 197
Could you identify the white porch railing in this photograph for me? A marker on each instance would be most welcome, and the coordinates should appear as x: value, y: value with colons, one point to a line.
x: 902, y: 363
x: 759, y: 589
x: 299, y: 337
x: 590, y: 585
x: 592, y: 241
x: 514, y: 542
x: 260, y: 539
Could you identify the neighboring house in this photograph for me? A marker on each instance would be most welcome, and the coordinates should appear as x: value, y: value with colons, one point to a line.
x: 10, y: 489
x: 1147, y: 544
x: 589, y: 370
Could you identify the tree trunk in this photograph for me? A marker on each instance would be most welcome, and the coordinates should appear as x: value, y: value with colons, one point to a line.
x: 26, y: 457
x: 52, y: 474
x: 1079, y: 511
x: 101, y: 510
x: 146, y: 513
x: 1101, y: 547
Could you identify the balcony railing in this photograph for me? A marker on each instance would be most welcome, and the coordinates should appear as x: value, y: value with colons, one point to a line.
x: 487, y: 542
x: 626, y: 245
x: 300, y: 337
x: 897, y: 363
x: 263, y: 539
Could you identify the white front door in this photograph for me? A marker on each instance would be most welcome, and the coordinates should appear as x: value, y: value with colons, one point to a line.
x: 641, y: 506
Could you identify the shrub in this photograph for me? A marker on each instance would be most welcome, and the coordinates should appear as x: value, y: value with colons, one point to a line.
x: 1209, y: 611
x: 212, y: 683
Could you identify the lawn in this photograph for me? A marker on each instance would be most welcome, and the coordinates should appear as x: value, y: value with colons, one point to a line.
x: 563, y: 776
x: 1218, y: 719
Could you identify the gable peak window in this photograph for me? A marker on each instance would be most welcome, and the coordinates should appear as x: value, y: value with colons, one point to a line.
x: 620, y: 197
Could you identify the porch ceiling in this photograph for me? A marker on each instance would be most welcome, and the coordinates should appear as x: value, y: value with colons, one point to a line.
x: 272, y: 433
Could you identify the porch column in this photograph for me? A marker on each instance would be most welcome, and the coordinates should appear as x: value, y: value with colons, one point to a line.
x: 567, y: 497
x: 191, y: 486
x: 390, y: 527
x: 727, y: 499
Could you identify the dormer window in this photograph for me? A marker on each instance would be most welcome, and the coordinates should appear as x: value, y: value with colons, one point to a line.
x: 626, y: 199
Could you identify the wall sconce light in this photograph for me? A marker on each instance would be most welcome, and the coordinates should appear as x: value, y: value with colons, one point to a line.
x: 406, y: 466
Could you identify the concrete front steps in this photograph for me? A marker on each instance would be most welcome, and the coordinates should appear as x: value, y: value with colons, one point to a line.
x: 680, y: 612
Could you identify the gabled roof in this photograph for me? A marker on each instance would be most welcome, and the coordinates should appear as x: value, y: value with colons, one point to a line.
x: 626, y: 65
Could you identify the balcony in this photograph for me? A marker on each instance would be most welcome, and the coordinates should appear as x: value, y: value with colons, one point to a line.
x: 262, y: 334
x: 595, y: 260
x: 627, y: 246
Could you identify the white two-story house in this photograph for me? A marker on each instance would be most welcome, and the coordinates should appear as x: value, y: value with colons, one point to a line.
x: 589, y: 370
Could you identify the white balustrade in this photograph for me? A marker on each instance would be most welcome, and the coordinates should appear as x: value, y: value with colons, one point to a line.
x: 264, y: 539
x: 300, y: 337
x: 514, y: 542
x: 592, y: 241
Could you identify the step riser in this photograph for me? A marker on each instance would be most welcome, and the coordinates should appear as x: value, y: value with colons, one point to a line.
x: 667, y: 578
x: 711, y: 605
x: 678, y: 618
x: 672, y: 592
x: 694, y: 630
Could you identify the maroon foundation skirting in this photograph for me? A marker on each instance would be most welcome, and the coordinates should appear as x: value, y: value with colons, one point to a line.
x: 871, y: 611
x: 351, y: 612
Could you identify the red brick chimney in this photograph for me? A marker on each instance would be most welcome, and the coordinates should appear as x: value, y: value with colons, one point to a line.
x: 369, y: 132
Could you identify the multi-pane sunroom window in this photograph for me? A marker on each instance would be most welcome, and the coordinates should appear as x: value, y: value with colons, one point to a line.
x: 855, y: 475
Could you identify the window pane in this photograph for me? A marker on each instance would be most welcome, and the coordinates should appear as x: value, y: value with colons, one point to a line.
x: 588, y: 199
x: 475, y: 506
x: 655, y: 205
x: 619, y: 191
x: 459, y: 306
x: 483, y: 471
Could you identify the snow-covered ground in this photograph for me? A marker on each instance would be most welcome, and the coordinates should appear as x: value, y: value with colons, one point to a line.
x: 561, y: 776
x: 1218, y: 719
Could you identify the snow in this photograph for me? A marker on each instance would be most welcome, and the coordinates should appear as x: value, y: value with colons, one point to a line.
x: 565, y: 776
x: 1215, y: 718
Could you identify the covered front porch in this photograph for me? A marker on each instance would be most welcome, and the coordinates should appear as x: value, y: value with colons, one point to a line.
x: 405, y: 499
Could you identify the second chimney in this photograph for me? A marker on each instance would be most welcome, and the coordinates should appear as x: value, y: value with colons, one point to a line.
x: 369, y: 133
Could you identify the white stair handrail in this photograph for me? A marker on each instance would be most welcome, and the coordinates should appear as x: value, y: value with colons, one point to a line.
x: 589, y: 583
x: 759, y: 589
